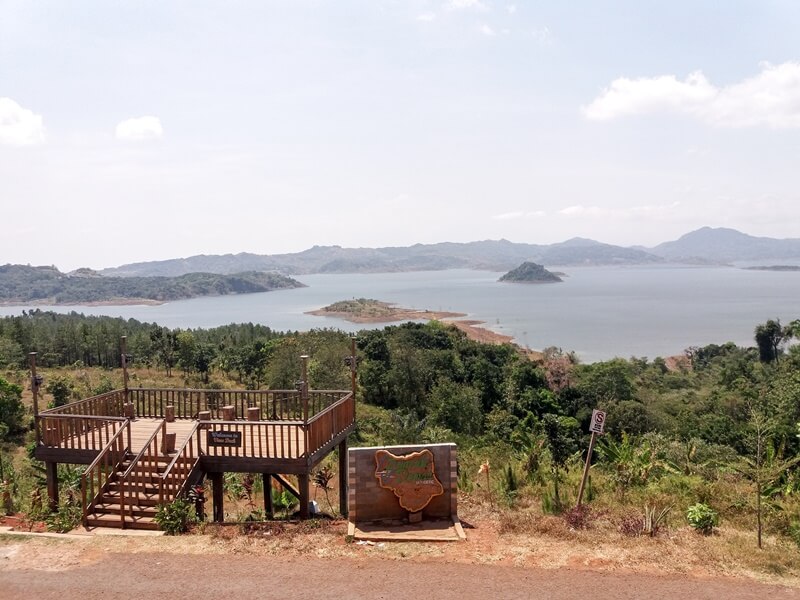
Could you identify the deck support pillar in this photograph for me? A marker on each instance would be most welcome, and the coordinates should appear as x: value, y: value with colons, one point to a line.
x: 343, y: 477
x: 269, y: 509
x: 302, y: 484
x: 217, y: 480
x: 51, y: 469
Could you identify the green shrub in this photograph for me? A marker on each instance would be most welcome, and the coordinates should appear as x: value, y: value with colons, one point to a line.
x: 175, y: 518
x: 65, y: 519
x: 702, y: 517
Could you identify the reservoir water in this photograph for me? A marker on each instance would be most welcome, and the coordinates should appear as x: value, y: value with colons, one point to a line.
x: 598, y: 312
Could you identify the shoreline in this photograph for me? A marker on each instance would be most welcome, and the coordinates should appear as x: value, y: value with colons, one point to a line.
x: 119, y: 302
x: 393, y: 315
x: 471, y: 327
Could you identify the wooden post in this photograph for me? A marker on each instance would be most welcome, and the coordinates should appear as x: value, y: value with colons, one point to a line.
x: 586, y: 469
x: 169, y: 413
x: 269, y: 509
x: 353, y: 365
x: 169, y: 443
x: 343, y: 477
x: 229, y: 413
x: 219, y: 509
x: 302, y: 484
x: 204, y: 415
x: 254, y: 413
x: 304, y: 390
x: 51, y: 469
x: 35, y: 391
x: 124, y: 346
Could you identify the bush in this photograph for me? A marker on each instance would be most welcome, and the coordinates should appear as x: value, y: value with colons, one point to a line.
x: 580, y: 517
x: 702, y: 517
x: 11, y: 409
x: 175, y: 518
x: 65, y: 519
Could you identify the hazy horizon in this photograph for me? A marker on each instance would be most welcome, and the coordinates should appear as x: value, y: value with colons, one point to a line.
x: 235, y: 253
x: 134, y: 132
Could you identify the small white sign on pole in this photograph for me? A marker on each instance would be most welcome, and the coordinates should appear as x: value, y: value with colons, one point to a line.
x: 598, y: 421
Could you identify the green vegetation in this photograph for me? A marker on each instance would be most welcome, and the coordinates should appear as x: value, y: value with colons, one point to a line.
x: 715, y: 427
x: 702, y: 517
x: 360, y: 307
x: 175, y: 517
x: 22, y: 284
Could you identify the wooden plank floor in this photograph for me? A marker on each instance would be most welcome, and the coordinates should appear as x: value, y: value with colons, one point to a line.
x: 142, y: 429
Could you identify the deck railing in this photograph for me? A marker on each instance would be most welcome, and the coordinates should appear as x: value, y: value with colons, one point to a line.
x: 102, y: 469
x: 109, y: 404
x: 284, y: 428
x: 259, y: 439
x: 326, y: 425
x: 72, y: 432
x: 174, y: 477
x: 274, y: 405
x: 282, y: 440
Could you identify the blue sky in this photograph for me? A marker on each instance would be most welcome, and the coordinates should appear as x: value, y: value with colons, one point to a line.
x: 147, y: 130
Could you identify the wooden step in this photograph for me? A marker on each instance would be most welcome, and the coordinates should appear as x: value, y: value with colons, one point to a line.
x: 141, y: 498
x: 109, y: 520
x: 136, y: 510
x: 135, y: 486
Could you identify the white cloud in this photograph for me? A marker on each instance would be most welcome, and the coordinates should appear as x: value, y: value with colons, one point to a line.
x: 647, y: 210
x: 584, y: 211
x: 139, y: 129
x: 19, y: 126
x: 426, y: 17
x: 486, y: 30
x: 771, y: 98
x: 511, y: 8
x: 542, y: 36
x: 462, y: 4
x: 510, y: 216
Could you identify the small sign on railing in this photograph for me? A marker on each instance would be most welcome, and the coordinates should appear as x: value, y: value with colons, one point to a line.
x: 230, y: 439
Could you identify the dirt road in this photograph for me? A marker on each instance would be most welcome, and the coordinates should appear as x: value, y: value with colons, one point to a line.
x: 154, y: 575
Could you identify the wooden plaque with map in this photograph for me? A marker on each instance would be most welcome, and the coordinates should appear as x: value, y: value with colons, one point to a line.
x: 411, y: 477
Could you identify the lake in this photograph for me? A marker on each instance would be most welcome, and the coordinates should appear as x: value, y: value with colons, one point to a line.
x: 598, y: 312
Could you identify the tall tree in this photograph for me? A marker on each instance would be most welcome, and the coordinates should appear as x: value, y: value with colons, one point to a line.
x: 769, y: 337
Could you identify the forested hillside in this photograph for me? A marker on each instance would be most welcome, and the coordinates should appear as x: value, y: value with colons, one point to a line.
x: 717, y: 426
x: 26, y: 284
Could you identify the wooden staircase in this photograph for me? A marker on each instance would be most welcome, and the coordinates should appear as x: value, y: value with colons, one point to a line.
x: 123, y: 490
x: 139, y: 502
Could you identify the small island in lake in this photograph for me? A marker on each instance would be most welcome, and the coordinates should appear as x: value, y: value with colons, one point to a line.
x: 368, y: 310
x: 530, y: 272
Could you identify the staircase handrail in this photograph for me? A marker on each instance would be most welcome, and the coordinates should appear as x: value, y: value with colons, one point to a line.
x: 124, y: 479
x: 185, y: 451
x: 107, y: 458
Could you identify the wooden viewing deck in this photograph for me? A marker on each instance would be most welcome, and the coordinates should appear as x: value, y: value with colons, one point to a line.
x: 146, y: 447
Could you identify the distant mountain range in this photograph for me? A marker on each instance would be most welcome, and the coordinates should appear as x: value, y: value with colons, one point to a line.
x: 704, y: 246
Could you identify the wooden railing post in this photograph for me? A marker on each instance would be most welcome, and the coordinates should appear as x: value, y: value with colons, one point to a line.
x: 124, y: 360
x: 35, y: 391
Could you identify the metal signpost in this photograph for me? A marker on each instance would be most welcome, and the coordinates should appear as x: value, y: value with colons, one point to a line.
x: 596, y: 426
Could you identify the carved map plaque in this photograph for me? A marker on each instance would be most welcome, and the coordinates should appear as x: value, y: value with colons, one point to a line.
x: 411, y: 477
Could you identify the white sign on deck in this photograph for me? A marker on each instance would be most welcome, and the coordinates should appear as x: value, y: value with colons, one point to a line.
x: 598, y: 421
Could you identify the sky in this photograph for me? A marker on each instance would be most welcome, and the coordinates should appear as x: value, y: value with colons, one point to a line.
x: 146, y: 130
